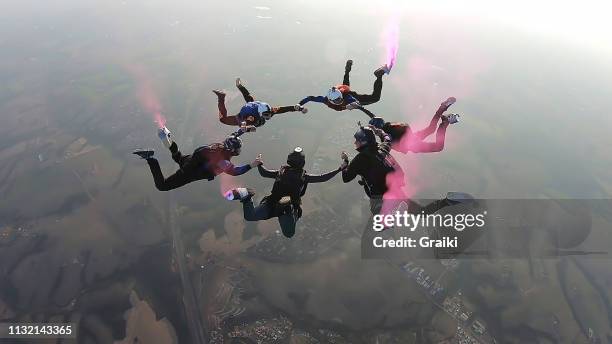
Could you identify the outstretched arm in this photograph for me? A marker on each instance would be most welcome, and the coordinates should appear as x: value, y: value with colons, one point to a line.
x: 329, y: 175
x: 264, y: 172
x: 367, y: 112
x: 317, y: 99
x: 320, y: 178
x: 348, y: 174
x: 353, y: 169
x: 229, y: 168
x: 242, y: 130
x: 289, y: 108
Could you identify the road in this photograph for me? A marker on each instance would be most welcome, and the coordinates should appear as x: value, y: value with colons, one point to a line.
x: 190, y: 299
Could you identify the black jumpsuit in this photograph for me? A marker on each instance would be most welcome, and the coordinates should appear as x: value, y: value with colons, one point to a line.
x: 268, y: 208
x: 203, y: 163
x: 350, y: 96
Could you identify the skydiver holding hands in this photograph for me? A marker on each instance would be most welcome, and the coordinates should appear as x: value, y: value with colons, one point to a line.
x: 205, y: 162
x: 284, y: 200
x: 373, y: 163
x: 254, y: 112
x: 339, y: 96
x: 414, y: 141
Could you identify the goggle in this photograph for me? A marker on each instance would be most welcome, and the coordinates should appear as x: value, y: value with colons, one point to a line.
x: 336, y: 101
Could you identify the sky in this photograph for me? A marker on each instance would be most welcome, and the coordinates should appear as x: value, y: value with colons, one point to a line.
x: 582, y: 22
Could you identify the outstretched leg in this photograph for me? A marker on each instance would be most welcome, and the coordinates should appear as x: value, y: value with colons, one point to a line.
x: 418, y: 146
x: 347, y: 70
x: 287, y: 223
x: 178, y: 179
x: 366, y: 99
x: 252, y: 213
x: 223, y: 117
x: 177, y: 156
x: 431, y: 128
x: 245, y: 93
x: 263, y: 211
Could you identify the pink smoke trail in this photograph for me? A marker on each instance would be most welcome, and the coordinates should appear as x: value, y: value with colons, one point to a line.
x: 395, y: 185
x: 390, y: 39
x: 146, y: 94
x: 227, y: 183
x: 444, y: 63
x: 397, y: 181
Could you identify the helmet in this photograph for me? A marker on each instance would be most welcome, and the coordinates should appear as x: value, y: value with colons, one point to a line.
x: 365, y: 136
x: 296, y: 159
x: 264, y: 109
x: 378, y: 122
x: 334, y: 96
x: 232, y: 144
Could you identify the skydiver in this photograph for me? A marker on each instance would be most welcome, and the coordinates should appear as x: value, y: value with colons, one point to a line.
x: 339, y: 96
x: 413, y: 141
x: 373, y: 163
x: 205, y: 162
x: 284, y: 200
x: 254, y: 112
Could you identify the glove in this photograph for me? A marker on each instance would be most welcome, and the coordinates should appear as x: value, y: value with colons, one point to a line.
x: 301, y: 108
x: 345, y: 160
x: 247, y: 128
x: 258, y: 161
